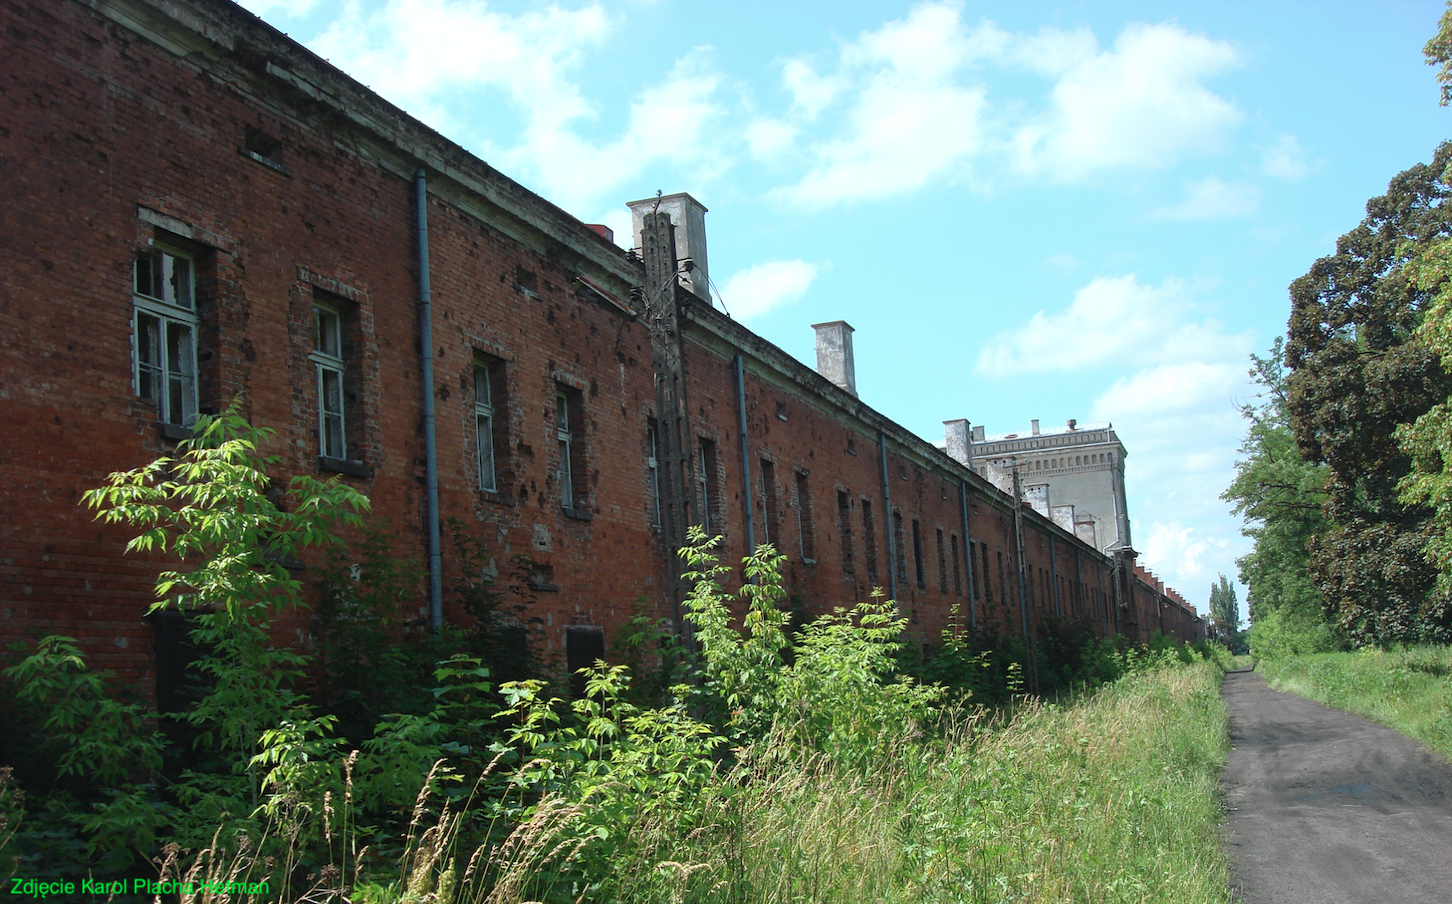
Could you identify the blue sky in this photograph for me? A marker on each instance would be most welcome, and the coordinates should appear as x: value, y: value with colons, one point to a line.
x: 1083, y: 210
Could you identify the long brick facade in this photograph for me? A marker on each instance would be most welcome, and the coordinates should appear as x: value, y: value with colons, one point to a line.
x: 142, y: 139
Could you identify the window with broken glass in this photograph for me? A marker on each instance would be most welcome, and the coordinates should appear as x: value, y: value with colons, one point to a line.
x: 165, y: 321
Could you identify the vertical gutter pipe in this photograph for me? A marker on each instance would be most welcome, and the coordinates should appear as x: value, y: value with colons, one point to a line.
x: 431, y: 457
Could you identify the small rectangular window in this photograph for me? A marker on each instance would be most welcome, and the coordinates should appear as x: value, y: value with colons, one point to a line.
x: 584, y: 646
x: 921, y: 573
x: 844, y: 532
x: 957, y: 567
x: 331, y: 369
x: 652, y: 467
x: 708, y: 490
x: 770, y: 505
x: 568, y: 423
x: 869, y: 540
x: 165, y: 334
x: 806, y: 527
x: 899, y: 548
x: 486, y: 424
x: 942, y: 563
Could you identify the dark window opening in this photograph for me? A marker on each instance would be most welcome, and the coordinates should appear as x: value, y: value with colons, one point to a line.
x: 869, y: 540
x: 942, y: 563
x: 708, y: 488
x: 806, y: 528
x: 770, y: 505
x: 920, y: 572
x: 957, y: 567
x: 844, y: 532
x: 899, y: 548
x: 584, y: 646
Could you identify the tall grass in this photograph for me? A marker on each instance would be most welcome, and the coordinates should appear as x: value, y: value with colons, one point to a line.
x: 1409, y: 690
x: 1110, y: 798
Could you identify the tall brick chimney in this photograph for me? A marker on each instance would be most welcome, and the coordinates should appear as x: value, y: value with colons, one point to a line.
x: 834, y: 354
x: 689, y: 218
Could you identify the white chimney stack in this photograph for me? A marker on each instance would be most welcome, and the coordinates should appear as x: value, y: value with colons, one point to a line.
x: 689, y: 218
x: 834, y: 354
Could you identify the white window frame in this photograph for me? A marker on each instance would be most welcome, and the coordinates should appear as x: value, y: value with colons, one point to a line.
x: 703, y: 484
x: 331, y: 369
x: 167, y: 376
x: 566, y: 440
x: 484, y: 426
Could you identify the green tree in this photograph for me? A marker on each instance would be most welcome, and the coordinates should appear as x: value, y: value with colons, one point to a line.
x: 1225, y: 612
x: 1280, y: 495
x: 1358, y: 372
x: 1439, y: 53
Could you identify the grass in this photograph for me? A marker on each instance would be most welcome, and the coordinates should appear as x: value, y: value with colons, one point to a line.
x: 1409, y: 690
x: 1112, y: 798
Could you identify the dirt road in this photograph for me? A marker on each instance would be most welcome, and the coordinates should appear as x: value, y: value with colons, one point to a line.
x: 1327, y: 807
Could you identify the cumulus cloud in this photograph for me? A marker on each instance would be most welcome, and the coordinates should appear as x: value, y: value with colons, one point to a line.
x: 904, y: 105
x: 1285, y: 159
x: 1112, y: 319
x: 1181, y: 557
x: 1212, y: 199
x: 768, y: 138
x: 756, y: 290
x: 1141, y: 104
x: 1170, y: 388
x: 427, y: 55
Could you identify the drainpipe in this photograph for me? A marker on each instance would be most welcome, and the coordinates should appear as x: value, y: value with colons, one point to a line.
x: 887, y: 516
x: 746, y: 493
x: 431, y: 458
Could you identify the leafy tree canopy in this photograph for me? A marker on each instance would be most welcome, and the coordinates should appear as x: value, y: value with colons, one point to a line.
x: 1358, y: 372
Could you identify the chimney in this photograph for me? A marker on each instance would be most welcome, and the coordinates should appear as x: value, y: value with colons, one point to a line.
x: 689, y: 218
x: 1035, y: 424
x: 959, y: 446
x: 834, y: 354
x: 1073, y: 423
x: 978, y: 435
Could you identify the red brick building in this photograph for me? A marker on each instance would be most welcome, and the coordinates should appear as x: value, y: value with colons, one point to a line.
x: 194, y: 207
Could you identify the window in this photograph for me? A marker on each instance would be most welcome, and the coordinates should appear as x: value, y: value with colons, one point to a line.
x: 485, y: 423
x: 942, y: 563
x: 899, y: 548
x: 770, y: 505
x: 844, y: 532
x: 806, y: 528
x: 708, y: 491
x: 568, y: 420
x: 652, y: 467
x: 327, y: 357
x: 919, y: 572
x: 869, y: 539
x: 584, y: 646
x: 166, y: 335
x: 957, y: 567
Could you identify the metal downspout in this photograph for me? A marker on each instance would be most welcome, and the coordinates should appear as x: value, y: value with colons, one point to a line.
x: 746, y: 493
x: 887, y: 517
x: 431, y: 458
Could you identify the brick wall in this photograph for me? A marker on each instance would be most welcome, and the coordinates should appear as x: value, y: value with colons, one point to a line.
x: 196, y: 128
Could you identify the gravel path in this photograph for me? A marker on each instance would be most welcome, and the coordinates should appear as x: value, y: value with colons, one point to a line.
x: 1327, y: 807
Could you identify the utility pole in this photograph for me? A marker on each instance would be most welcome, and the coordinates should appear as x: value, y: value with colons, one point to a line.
x: 1033, y: 667
x: 662, y: 314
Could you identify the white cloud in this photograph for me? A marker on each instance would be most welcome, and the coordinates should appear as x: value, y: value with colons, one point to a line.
x: 1285, y: 159
x: 767, y: 138
x: 1169, y: 388
x: 908, y: 121
x: 759, y: 289
x: 1177, y: 555
x: 1112, y: 319
x: 1142, y: 104
x: 908, y: 106
x: 274, y: 9
x: 1212, y: 199
x: 429, y: 56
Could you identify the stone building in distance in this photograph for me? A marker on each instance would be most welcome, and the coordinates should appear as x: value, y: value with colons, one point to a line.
x: 1073, y: 474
